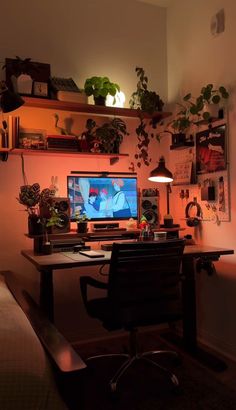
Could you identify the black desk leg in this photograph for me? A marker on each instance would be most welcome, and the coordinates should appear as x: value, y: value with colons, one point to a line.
x: 189, y: 340
x: 46, y: 298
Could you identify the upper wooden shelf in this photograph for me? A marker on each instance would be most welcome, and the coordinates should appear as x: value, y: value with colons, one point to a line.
x: 89, y: 108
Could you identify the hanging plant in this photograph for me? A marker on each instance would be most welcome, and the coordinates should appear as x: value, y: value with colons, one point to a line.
x: 149, y: 102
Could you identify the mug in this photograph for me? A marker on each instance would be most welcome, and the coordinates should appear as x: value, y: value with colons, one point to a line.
x: 160, y: 236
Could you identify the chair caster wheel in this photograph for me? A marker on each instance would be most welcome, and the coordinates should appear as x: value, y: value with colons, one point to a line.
x: 113, y: 387
x: 174, y: 380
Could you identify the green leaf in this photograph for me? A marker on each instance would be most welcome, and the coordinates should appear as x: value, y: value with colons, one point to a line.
x: 206, y: 115
x: 216, y: 99
x: 223, y: 92
x: 187, y: 97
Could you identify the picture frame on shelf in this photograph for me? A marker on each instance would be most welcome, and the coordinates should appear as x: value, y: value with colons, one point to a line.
x: 211, y: 150
x: 40, y: 89
x: 30, y: 71
x: 34, y: 139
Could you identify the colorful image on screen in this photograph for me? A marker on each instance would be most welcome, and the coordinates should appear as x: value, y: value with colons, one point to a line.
x: 103, y: 198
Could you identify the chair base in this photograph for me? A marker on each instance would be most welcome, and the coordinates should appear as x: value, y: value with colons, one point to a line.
x: 133, y: 357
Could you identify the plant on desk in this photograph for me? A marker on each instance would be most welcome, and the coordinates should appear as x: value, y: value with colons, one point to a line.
x: 41, y: 214
x: 29, y: 196
x: 145, y: 229
x: 81, y: 220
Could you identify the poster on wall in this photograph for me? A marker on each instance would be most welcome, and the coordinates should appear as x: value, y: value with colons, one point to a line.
x: 211, y: 150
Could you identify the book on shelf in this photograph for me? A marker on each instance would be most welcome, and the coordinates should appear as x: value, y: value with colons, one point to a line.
x: 71, y: 96
x: 13, y: 131
x: 65, y: 89
x: 10, y: 132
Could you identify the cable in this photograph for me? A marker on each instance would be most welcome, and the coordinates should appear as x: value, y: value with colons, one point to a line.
x: 101, y: 271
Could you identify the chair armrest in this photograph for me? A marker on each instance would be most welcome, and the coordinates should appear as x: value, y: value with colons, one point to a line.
x: 86, y: 281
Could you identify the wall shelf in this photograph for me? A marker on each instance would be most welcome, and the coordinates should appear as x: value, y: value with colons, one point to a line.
x: 182, y: 145
x: 90, y: 108
x: 113, y: 157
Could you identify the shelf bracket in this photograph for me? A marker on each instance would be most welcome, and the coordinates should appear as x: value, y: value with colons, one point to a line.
x: 114, y: 160
x: 4, y: 156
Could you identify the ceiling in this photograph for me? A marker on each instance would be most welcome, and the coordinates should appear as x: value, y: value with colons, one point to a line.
x: 162, y: 3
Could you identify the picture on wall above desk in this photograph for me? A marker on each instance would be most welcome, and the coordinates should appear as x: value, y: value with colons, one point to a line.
x: 183, y: 173
x: 211, y: 150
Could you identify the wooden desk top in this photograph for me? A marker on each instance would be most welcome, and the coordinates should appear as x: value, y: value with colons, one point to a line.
x: 63, y: 260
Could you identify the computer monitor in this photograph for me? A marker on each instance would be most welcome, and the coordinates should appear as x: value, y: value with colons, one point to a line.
x: 103, y: 198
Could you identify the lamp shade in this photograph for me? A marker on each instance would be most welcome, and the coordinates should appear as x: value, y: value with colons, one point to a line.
x: 161, y: 173
x: 10, y: 101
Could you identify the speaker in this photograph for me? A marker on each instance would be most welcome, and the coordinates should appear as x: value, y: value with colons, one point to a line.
x: 62, y: 205
x: 149, y: 206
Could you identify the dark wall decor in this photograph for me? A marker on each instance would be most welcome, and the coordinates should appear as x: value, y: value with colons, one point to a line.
x: 211, y: 150
x: 37, y: 73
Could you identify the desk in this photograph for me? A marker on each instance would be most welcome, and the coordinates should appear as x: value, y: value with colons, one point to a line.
x: 45, y: 264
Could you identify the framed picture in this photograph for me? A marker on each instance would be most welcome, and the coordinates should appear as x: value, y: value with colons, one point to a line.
x: 183, y: 173
x: 40, y: 89
x: 24, y: 72
x: 32, y: 139
x: 211, y: 150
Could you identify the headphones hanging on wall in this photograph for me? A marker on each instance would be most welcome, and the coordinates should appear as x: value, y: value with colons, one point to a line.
x: 193, y: 220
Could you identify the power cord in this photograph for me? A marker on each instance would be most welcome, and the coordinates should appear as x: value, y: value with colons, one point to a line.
x: 101, y: 271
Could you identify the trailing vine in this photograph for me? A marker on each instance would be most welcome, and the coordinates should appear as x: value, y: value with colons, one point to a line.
x: 149, y: 102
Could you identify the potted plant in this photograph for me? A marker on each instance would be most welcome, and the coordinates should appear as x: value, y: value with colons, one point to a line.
x: 41, y: 214
x: 81, y: 220
x: 148, y: 101
x: 191, y: 111
x: 208, y: 96
x: 29, y: 196
x: 145, y: 101
x: 104, y: 138
x: 53, y: 220
x: 100, y: 87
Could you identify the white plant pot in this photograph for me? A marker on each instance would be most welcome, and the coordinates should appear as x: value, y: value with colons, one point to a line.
x: 213, y: 109
x: 22, y: 84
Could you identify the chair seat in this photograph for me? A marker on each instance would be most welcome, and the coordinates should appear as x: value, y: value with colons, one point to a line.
x: 101, y: 309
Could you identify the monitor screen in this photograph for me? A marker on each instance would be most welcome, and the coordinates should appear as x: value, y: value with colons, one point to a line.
x: 103, y: 198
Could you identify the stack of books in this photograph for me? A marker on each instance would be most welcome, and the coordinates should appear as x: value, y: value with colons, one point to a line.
x: 65, y: 89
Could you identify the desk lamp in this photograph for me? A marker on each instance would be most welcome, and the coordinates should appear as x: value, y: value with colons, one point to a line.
x: 9, y: 101
x: 163, y: 175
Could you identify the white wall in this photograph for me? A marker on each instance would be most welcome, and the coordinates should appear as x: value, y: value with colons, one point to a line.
x: 196, y: 58
x: 78, y: 39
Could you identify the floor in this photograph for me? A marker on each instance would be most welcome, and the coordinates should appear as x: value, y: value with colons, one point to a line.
x: 227, y: 376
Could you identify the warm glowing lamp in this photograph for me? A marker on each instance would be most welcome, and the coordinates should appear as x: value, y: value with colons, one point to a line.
x: 163, y: 175
x: 120, y: 100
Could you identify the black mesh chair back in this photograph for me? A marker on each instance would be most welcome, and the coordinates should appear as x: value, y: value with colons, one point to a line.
x: 143, y: 289
x: 143, y: 286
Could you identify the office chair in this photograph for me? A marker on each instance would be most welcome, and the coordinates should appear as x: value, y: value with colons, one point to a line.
x: 142, y: 289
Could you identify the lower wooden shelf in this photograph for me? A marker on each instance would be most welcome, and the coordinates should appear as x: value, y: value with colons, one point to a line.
x: 18, y: 151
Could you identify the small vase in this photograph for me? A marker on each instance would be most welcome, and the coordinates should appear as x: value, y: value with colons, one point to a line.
x: 34, y: 226
x: 82, y: 227
x: 22, y: 84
